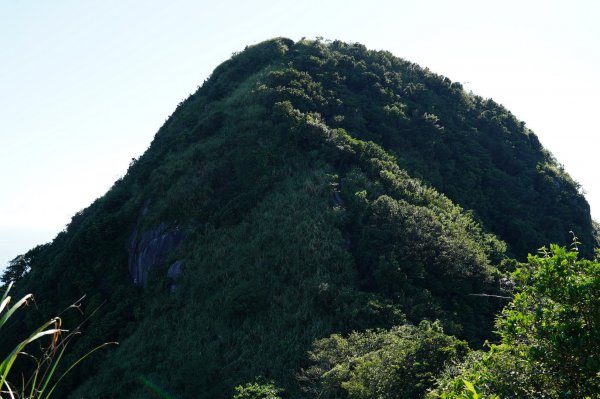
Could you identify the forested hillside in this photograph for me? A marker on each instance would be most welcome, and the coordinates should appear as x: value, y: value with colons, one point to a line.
x: 309, y: 205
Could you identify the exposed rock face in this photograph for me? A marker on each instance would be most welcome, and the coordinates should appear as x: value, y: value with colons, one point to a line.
x: 149, y: 251
x: 174, y: 272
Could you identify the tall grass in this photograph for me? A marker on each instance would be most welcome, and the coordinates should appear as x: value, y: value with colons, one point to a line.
x: 44, y: 377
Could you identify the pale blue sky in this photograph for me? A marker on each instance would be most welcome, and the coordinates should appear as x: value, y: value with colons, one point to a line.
x: 84, y: 85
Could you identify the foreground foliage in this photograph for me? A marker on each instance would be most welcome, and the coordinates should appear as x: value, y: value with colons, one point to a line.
x: 45, y: 375
x: 550, y: 334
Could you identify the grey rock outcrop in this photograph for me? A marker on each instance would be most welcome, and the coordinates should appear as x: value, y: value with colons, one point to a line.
x: 150, y: 249
x: 175, y: 270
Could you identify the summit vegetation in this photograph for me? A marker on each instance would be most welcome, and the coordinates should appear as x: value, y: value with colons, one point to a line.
x: 319, y: 220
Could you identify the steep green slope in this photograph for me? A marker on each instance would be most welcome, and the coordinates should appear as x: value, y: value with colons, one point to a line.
x: 276, y: 206
x: 471, y: 149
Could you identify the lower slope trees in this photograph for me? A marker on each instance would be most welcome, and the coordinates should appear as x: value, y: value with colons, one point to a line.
x: 549, y: 346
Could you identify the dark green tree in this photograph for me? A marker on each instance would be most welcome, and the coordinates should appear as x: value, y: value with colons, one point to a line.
x: 398, y: 363
x: 21, y: 265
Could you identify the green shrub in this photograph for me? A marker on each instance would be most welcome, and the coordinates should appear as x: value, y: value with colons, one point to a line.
x: 259, y: 389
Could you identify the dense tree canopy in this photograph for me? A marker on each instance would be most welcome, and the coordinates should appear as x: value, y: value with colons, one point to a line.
x: 315, y: 189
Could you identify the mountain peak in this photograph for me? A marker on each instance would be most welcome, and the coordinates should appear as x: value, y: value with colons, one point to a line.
x: 305, y: 189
